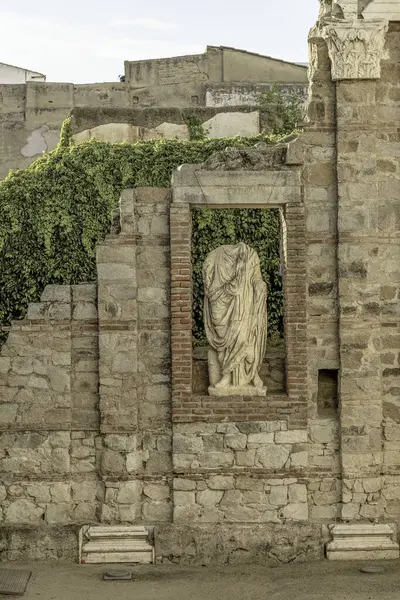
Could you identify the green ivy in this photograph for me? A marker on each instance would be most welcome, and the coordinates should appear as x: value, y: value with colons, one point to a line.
x: 282, y: 112
x: 195, y: 128
x: 53, y: 213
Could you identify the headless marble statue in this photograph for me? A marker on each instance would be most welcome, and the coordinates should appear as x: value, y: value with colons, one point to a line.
x: 235, y: 320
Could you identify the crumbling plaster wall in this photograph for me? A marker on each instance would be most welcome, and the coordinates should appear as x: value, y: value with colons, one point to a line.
x: 132, y: 126
x: 31, y: 115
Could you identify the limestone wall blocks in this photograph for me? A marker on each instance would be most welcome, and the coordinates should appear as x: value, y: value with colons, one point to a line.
x: 260, y: 444
x: 219, y: 498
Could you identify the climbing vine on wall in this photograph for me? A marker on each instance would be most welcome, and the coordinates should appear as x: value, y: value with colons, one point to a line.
x: 53, y: 213
x: 195, y: 127
x: 260, y: 229
x: 282, y: 112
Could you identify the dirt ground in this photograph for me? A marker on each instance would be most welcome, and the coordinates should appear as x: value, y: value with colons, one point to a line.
x: 316, y: 581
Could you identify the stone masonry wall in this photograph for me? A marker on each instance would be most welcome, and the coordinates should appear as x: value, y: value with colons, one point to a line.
x: 102, y: 449
x: 320, y: 198
x: 364, y: 112
x: 99, y: 420
x: 230, y: 472
x: 388, y: 185
x: 133, y: 274
x: 49, y: 444
x: 84, y: 394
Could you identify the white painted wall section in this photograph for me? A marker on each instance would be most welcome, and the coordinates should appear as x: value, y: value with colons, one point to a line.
x: 14, y: 75
x: 230, y: 124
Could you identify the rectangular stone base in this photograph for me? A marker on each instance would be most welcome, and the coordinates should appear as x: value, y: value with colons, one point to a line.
x: 372, y: 554
x: 115, y: 544
x: 362, y: 541
x: 237, y: 390
x: 108, y: 558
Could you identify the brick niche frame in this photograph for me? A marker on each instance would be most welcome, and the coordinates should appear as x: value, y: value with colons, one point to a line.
x: 275, y: 188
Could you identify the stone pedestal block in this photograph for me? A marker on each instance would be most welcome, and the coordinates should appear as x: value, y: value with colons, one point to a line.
x: 115, y: 544
x: 362, y: 541
x: 237, y: 390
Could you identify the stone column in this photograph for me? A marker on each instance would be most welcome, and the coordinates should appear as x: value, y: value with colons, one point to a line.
x: 359, y: 301
x: 356, y: 49
x: 320, y: 199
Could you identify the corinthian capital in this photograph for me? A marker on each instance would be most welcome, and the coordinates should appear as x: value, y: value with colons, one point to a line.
x: 355, y: 47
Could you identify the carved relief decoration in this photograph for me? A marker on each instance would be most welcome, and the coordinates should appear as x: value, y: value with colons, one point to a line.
x: 312, y: 60
x: 355, y: 48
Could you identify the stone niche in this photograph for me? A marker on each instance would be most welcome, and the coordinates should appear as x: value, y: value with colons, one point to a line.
x: 261, y: 177
x: 231, y: 277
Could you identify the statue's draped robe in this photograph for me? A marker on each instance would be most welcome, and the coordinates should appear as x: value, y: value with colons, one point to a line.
x: 235, y: 313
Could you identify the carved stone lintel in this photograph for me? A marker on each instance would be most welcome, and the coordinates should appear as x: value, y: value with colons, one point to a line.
x: 355, y: 47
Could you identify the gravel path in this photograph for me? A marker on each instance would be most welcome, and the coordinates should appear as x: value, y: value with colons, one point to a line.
x: 316, y: 581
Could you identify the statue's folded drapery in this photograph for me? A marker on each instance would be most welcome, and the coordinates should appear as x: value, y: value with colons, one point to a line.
x: 235, y: 315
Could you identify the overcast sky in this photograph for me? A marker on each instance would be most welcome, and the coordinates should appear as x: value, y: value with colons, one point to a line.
x: 84, y: 41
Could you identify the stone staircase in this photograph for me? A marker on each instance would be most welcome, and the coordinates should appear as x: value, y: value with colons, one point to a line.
x: 115, y: 544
